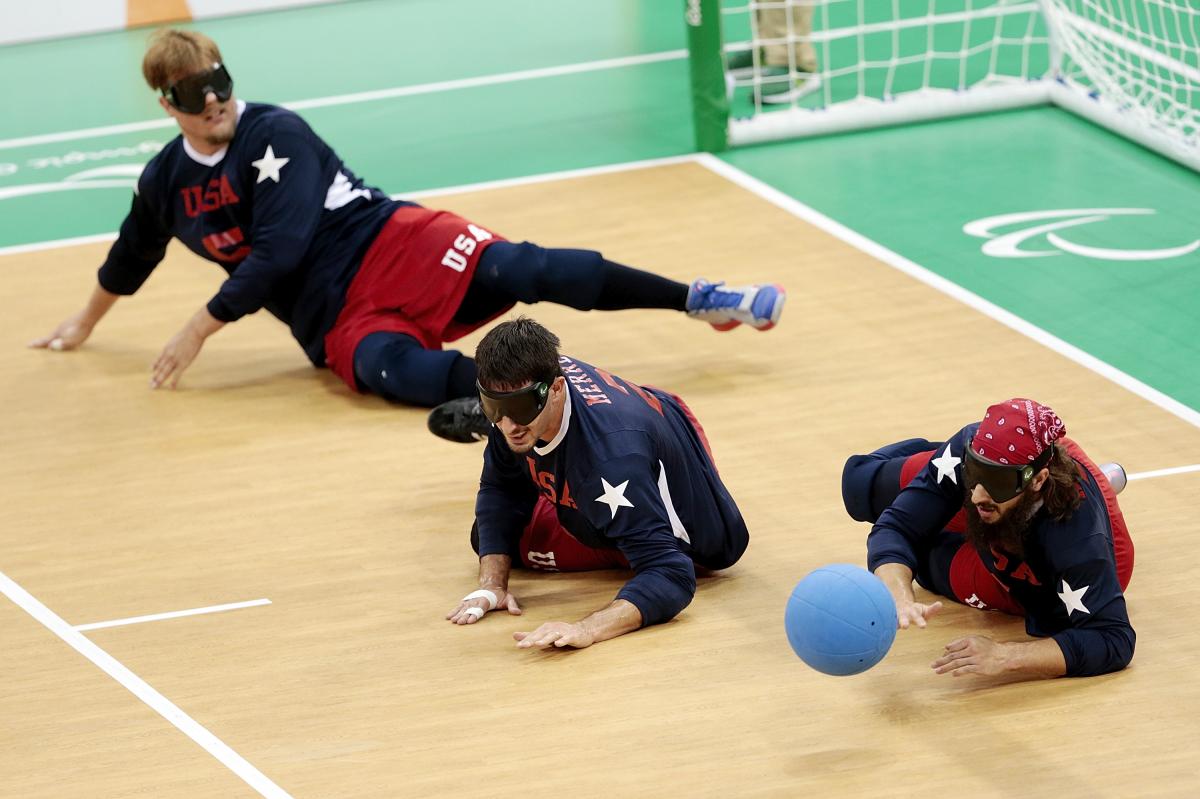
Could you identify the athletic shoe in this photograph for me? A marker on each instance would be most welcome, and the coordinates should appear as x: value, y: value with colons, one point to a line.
x: 740, y: 64
x: 1115, y: 473
x: 727, y: 307
x: 460, y: 420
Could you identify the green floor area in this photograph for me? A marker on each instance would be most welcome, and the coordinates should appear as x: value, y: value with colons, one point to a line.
x: 911, y: 189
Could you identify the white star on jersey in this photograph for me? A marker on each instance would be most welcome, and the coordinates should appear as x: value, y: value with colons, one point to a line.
x: 614, y: 496
x: 268, y: 166
x: 1073, y: 599
x: 945, y: 464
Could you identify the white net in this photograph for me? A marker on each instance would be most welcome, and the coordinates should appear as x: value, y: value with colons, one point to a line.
x: 812, y: 66
x: 800, y: 67
x: 1136, y: 63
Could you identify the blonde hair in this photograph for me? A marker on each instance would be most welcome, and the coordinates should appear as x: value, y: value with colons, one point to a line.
x: 172, y: 54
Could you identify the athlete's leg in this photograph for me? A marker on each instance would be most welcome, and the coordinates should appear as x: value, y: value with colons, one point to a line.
x: 586, y: 280
x: 871, y: 482
x: 396, y: 367
x: 582, y: 279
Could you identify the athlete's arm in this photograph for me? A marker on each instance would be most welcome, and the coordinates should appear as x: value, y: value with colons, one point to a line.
x: 977, y: 654
x: 618, y: 618
x: 76, y: 328
x: 1100, y: 639
x: 493, y: 577
x: 139, y: 248
x: 183, y: 348
x: 899, y: 581
x: 286, y: 213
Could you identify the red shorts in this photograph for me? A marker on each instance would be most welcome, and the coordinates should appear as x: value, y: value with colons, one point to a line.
x: 970, y: 580
x: 412, y: 280
x: 546, y: 546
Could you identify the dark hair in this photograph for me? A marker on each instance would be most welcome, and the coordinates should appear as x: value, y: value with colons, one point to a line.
x: 516, y: 353
x: 1060, y: 493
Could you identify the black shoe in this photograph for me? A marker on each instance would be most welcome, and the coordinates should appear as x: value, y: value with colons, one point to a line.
x: 460, y: 420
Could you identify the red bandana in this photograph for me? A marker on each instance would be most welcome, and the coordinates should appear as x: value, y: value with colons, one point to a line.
x: 1016, y: 431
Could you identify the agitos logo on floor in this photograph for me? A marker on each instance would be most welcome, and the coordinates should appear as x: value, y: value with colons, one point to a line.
x: 1008, y: 245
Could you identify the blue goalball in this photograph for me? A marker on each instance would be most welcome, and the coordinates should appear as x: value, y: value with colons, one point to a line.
x: 841, y: 619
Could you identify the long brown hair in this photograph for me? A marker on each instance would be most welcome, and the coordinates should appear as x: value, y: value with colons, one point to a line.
x: 1061, y: 493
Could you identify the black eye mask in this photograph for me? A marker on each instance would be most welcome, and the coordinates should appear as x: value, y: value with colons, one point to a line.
x: 1001, y: 481
x: 522, y: 405
x: 190, y: 94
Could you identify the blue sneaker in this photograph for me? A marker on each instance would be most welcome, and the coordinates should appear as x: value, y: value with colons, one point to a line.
x: 727, y: 307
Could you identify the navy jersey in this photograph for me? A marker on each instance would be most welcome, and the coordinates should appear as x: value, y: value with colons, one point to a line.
x: 1067, y: 582
x: 627, y: 470
x: 276, y: 209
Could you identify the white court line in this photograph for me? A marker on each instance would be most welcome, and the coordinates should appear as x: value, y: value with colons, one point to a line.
x: 18, y: 249
x: 1195, y: 467
x: 174, y: 614
x: 142, y: 690
x: 371, y: 96
x: 968, y: 298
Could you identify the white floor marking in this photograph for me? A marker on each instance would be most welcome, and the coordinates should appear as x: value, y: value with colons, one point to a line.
x: 174, y: 614
x: 1195, y: 467
x: 142, y: 690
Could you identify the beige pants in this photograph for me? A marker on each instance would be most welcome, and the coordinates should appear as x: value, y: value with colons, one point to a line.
x: 773, y: 24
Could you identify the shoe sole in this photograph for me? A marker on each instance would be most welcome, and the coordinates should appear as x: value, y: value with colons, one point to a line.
x: 777, y: 311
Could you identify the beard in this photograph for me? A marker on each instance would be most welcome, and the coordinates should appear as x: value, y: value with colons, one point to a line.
x: 219, y: 138
x: 1006, y: 533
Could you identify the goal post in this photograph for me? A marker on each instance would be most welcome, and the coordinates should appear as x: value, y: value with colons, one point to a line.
x: 1132, y: 66
x: 710, y: 101
x: 765, y: 70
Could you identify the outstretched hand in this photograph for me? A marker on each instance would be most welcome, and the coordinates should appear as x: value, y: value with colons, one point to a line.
x: 917, y: 613
x: 474, y: 605
x: 974, y: 654
x: 72, y: 332
x: 557, y: 634
x: 177, y: 356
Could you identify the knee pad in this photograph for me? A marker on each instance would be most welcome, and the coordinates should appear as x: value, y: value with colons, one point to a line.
x: 396, y: 367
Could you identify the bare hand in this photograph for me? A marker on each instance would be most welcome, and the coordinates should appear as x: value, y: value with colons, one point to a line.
x: 470, y: 611
x: 974, y: 654
x: 177, y: 356
x: 555, y: 633
x: 67, y: 336
x: 915, y: 613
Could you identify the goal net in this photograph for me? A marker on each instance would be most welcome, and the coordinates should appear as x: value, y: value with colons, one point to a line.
x: 774, y: 69
x: 1132, y: 66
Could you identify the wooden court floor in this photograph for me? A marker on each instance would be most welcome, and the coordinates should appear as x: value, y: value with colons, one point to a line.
x: 262, y: 478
